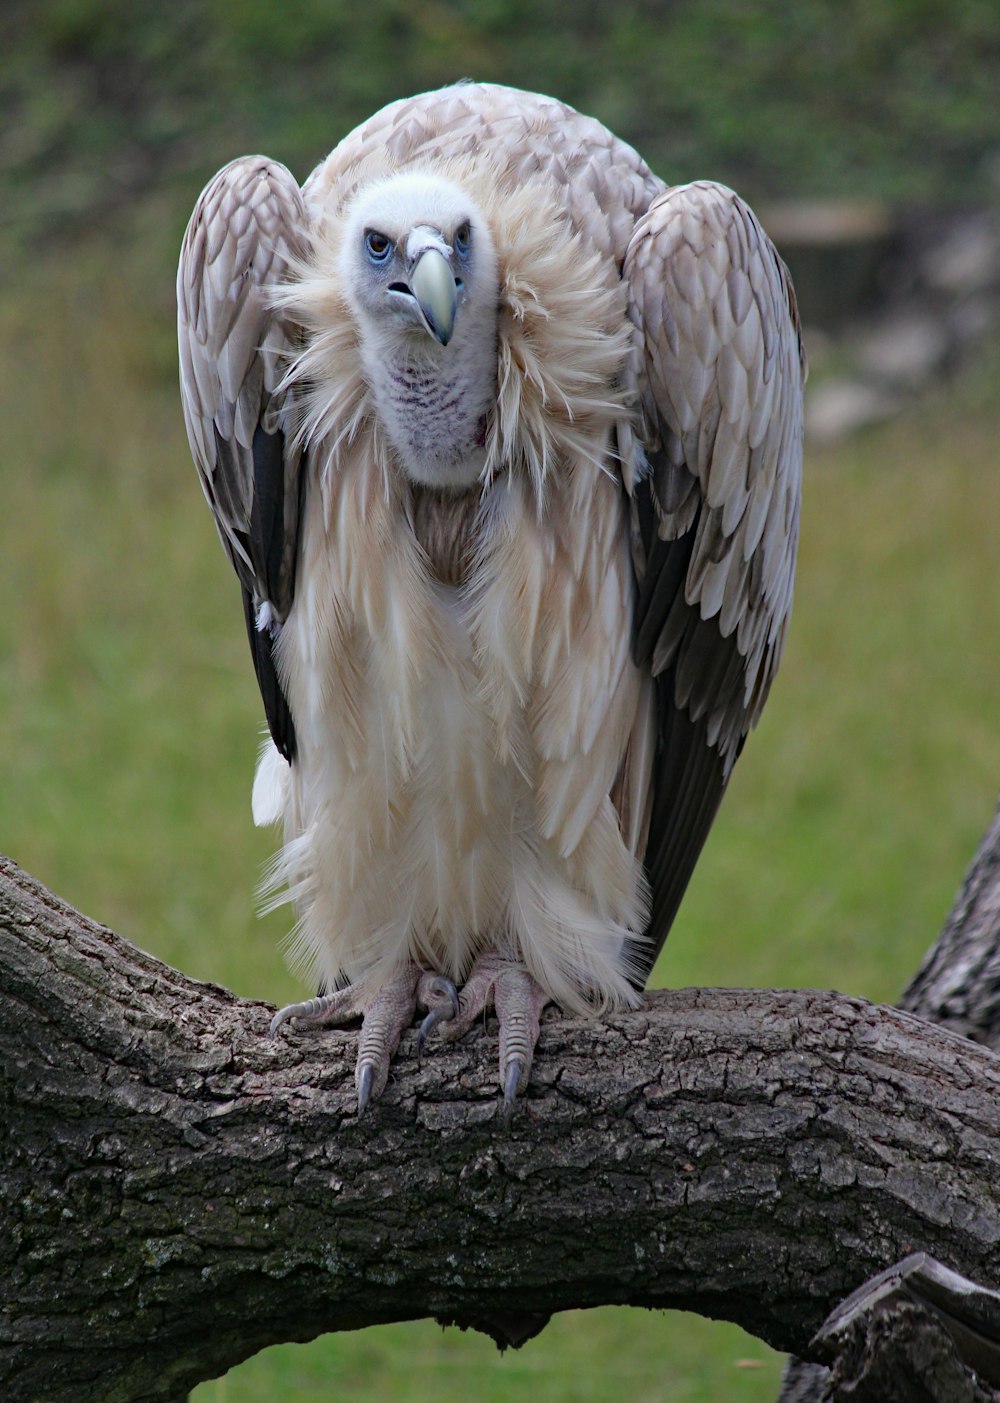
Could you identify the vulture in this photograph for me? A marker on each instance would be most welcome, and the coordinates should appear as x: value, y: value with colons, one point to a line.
x: 502, y: 436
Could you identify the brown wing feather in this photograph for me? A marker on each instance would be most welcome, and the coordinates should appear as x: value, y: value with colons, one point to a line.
x: 248, y: 226
x: 715, y: 518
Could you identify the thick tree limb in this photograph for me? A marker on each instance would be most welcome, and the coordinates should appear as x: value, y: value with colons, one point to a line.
x: 958, y: 983
x: 181, y: 1192
x: 957, y: 986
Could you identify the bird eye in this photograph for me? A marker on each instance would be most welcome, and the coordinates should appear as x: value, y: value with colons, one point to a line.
x: 377, y: 246
x: 463, y: 238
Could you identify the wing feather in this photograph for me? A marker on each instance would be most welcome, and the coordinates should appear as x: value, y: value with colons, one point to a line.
x: 719, y: 376
x: 249, y: 227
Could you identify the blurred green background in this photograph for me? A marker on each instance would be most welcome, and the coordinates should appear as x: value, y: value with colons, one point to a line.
x: 129, y: 717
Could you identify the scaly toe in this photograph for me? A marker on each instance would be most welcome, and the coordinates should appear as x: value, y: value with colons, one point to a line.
x: 388, y: 1013
x: 519, y: 1002
x: 323, y: 1009
x: 383, y: 1019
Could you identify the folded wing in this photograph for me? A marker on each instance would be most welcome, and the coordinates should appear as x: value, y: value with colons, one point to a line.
x: 719, y: 370
x: 248, y: 228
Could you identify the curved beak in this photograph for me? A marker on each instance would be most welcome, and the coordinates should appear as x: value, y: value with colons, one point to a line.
x: 433, y: 285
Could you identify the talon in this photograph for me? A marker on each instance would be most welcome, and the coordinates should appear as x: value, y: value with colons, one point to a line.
x: 444, y: 986
x: 366, y: 1080
x: 440, y: 1013
x: 309, y: 1009
x: 512, y: 1083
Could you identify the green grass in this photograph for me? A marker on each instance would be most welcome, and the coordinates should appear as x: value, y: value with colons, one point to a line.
x: 581, y: 1357
x: 129, y: 721
x: 874, y: 773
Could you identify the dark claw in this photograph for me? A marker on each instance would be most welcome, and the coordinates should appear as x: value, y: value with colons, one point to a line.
x: 290, y: 1011
x: 440, y: 1013
x: 441, y: 985
x: 366, y: 1081
x: 309, y: 1012
x: 515, y: 1070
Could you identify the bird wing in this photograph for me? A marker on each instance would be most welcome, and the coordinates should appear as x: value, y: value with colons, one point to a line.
x: 249, y: 225
x: 719, y: 372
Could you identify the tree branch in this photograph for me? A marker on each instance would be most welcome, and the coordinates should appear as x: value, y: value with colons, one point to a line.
x: 917, y: 1333
x: 181, y: 1192
x: 958, y: 982
x: 958, y: 987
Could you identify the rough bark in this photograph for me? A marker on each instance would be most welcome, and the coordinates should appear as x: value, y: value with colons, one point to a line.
x: 903, y: 1354
x: 180, y: 1191
x: 958, y: 983
x: 958, y: 987
x: 917, y: 1333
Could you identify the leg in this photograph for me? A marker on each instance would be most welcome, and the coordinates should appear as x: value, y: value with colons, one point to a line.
x: 383, y: 1020
x: 499, y: 982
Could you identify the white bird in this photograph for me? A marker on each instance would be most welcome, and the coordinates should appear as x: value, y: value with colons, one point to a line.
x: 502, y: 436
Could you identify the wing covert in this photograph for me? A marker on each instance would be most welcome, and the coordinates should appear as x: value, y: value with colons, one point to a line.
x: 719, y: 372
x: 248, y: 229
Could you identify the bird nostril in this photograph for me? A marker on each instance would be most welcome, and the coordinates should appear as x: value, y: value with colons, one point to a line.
x: 400, y: 287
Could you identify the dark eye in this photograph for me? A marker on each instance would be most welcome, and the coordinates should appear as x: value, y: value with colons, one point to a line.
x: 377, y: 246
x: 463, y: 238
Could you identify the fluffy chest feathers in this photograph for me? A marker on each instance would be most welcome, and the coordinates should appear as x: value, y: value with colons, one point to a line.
x: 458, y: 742
x: 444, y: 525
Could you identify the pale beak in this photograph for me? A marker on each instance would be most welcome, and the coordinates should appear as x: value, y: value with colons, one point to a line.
x: 433, y: 285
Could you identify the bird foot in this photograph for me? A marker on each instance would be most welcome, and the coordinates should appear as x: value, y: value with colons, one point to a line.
x: 383, y: 1021
x: 501, y: 983
x: 494, y: 981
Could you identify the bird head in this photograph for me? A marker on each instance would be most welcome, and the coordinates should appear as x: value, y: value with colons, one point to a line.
x: 419, y: 270
x: 418, y: 258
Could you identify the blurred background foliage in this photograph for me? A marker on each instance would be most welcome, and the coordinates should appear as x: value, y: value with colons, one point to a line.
x: 129, y: 718
x: 107, y: 99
